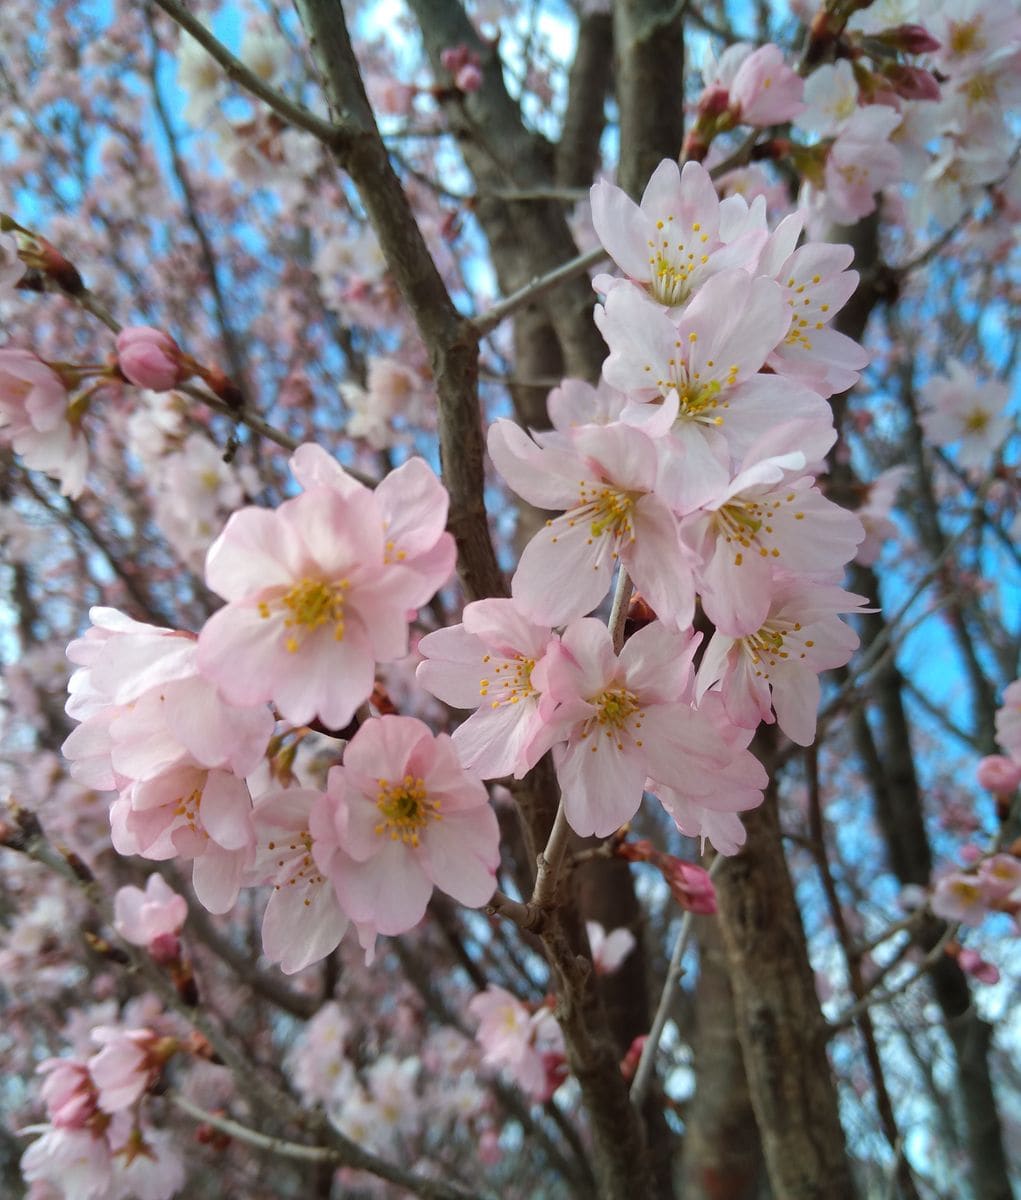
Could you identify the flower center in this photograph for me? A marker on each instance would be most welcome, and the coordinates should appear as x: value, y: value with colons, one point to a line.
x: 965, y: 37
x: 188, y: 808
x: 406, y: 809
x: 296, y: 867
x: 310, y: 604
x: 618, y: 713
x: 976, y: 421
x: 511, y: 679
x: 773, y: 645
x: 673, y: 264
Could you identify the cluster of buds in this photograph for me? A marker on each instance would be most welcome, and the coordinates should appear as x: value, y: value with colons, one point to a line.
x: 463, y: 64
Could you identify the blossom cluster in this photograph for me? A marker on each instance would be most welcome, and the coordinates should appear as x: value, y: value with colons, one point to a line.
x: 692, y: 468
x: 98, y: 1142
x: 319, y: 591
x: 990, y: 883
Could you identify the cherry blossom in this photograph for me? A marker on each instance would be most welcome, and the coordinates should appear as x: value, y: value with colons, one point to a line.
x: 759, y: 525
x: 960, y: 411
x: 400, y: 817
x: 608, y: 949
x: 195, y: 813
x: 709, y: 361
x: 37, y: 421
x: 761, y: 88
x: 517, y: 1040
x: 775, y: 669
x: 606, y: 481
x: 621, y: 721
x: 488, y: 663
x: 672, y: 243
x: 303, y: 922
x: 150, y: 358
x: 140, y: 917
x: 312, y: 606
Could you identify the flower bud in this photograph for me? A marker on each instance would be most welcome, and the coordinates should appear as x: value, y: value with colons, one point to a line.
x: 999, y: 774
x: 149, y: 358
x: 909, y: 39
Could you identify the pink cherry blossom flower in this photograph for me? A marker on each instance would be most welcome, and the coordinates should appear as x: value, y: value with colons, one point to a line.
x: 188, y: 811
x: 126, y: 1067
x: 707, y: 804
x: 874, y: 514
x: 971, y: 30
x: 776, y: 668
x: 78, y: 1162
x: 696, y: 379
x: 762, y: 88
x: 150, y: 358
x: 36, y: 420
x: 488, y: 663
x: 621, y: 721
x: 608, y: 949
x: 959, y: 896
x: 816, y: 286
x: 68, y: 1092
x: 400, y: 817
x: 147, y: 1162
x: 312, y: 606
x: 11, y: 266
x: 606, y: 482
x: 831, y: 99
x: 303, y: 921
x: 143, y: 706
x: 515, y: 1039
x: 861, y: 162
x: 142, y: 917
x: 575, y: 403
x: 758, y: 525
x: 999, y: 774
x: 412, y: 506
x: 672, y: 243
x: 1000, y: 876
x: 963, y: 412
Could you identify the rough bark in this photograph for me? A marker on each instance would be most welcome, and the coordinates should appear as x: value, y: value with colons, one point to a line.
x: 649, y: 44
x: 722, y: 1151
x: 779, y: 1024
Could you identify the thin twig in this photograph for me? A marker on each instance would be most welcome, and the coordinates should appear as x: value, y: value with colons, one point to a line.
x: 618, y: 611
x: 327, y: 132
x: 488, y: 321
x: 926, y: 965
x: 551, y: 860
x: 273, y: 1145
x: 643, y: 1075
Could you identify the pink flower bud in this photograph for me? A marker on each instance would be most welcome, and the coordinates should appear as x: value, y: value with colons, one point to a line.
x: 713, y: 101
x: 468, y: 78
x: 975, y: 965
x: 691, y: 887
x: 490, y: 1152
x: 910, y: 39
x: 999, y: 774
x: 149, y: 358
x: 454, y: 58
x: 913, y: 83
